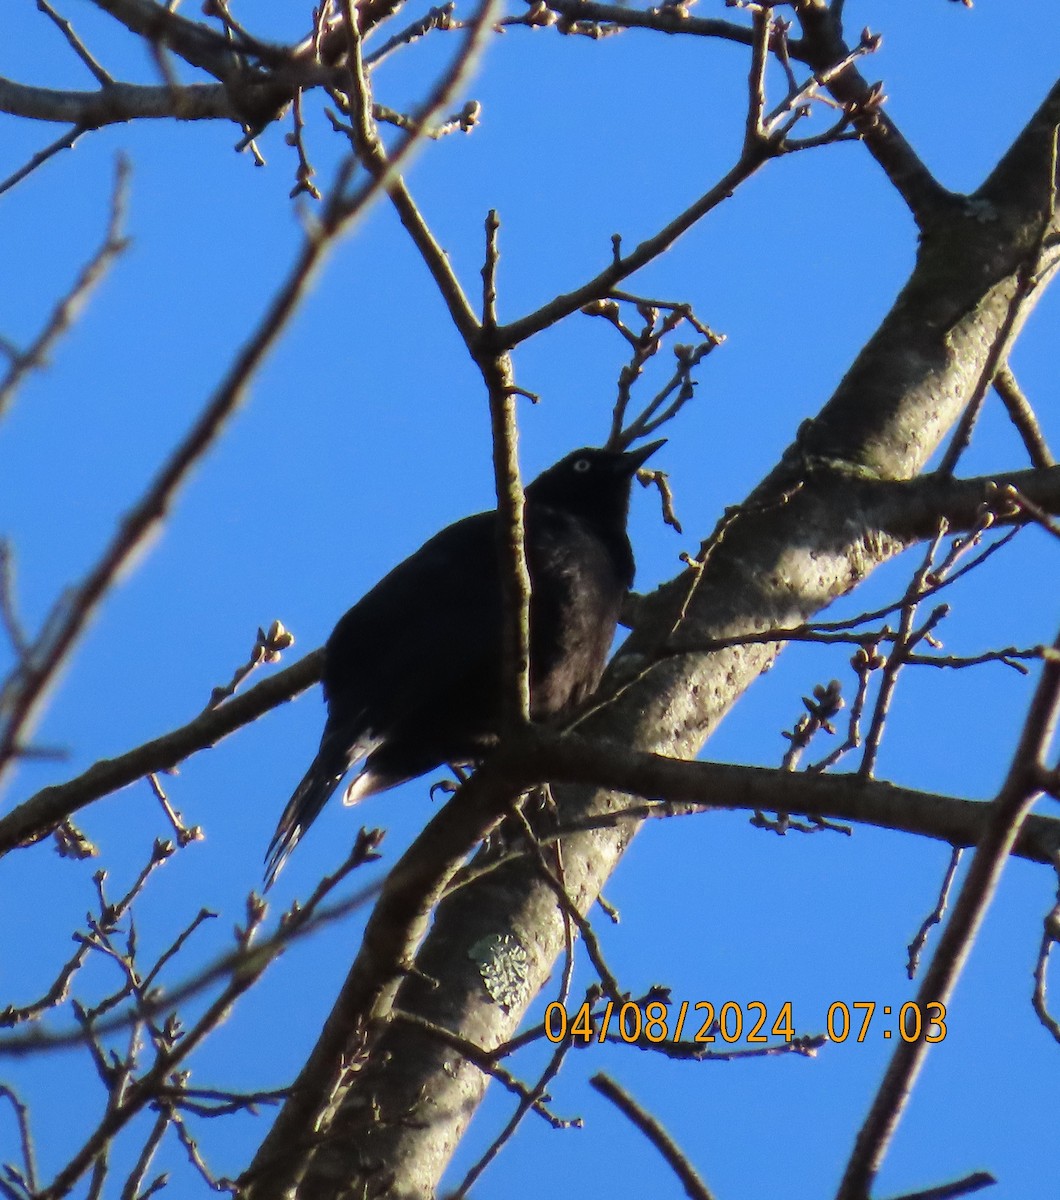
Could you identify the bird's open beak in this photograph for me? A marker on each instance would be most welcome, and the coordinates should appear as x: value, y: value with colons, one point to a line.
x: 633, y: 459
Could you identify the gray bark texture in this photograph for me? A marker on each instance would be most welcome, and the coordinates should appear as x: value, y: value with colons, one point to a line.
x: 381, y: 1105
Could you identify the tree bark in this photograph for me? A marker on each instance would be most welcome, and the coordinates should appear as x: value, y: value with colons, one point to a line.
x: 399, y: 1103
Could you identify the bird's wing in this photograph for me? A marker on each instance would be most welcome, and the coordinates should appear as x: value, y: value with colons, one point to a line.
x: 426, y: 625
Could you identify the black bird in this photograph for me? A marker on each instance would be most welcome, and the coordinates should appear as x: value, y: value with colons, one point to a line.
x: 412, y: 673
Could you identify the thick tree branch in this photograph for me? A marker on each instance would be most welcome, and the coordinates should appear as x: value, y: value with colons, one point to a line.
x: 796, y: 545
x: 117, y: 103
x: 820, y: 47
x: 911, y: 509
x: 822, y: 44
x: 411, y: 891
x: 198, y: 44
x: 905, y: 510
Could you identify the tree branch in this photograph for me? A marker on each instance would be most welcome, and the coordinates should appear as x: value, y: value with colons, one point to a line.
x: 694, y: 1187
x: 1006, y: 815
x: 117, y: 103
x: 1023, y: 417
x: 37, y: 817
x: 822, y: 44
x: 69, y: 307
x: 795, y: 545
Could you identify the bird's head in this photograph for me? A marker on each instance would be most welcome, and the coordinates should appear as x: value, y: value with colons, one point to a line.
x: 591, y: 481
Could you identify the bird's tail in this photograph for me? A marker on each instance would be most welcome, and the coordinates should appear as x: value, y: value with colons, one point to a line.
x: 302, y: 810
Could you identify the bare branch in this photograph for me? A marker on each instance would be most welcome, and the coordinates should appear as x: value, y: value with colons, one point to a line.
x: 9, y: 617
x: 75, y: 43
x: 1027, y: 279
x: 66, y: 142
x: 29, y: 1160
x: 37, y: 816
x: 1023, y: 504
x: 608, y: 982
x: 1050, y: 937
x: 822, y: 45
x: 486, y: 1062
x: 694, y: 1186
x: 118, y: 103
x: 1007, y: 814
x: 526, y: 1103
x: 134, y: 1181
x: 663, y: 19
x: 1022, y: 416
x: 298, y: 922
x: 268, y: 647
x: 58, y: 641
x: 511, y: 533
x: 184, y: 835
x: 71, y: 305
x: 757, y: 150
x: 905, y: 640
x: 934, y: 917
x: 974, y: 1182
x: 624, y: 265
x: 196, y: 43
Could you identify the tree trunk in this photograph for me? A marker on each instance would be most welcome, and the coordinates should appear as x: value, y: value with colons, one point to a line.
x: 806, y: 536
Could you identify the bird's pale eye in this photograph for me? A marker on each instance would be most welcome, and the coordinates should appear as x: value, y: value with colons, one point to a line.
x: 582, y: 465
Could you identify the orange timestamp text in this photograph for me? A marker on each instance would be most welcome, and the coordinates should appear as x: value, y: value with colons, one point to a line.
x: 703, y: 1022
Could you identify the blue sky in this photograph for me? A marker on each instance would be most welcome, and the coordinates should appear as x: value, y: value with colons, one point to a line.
x: 367, y: 430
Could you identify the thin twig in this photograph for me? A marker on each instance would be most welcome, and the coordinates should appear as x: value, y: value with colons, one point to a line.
x: 268, y: 647
x: 486, y: 1062
x: 130, y: 1096
x: 65, y: 141
x: 70, y: 306
x: 213, y: 1102
x: 1026, y: 282
x: 1050, y: 937
x: 29, y: 1160
x: 435, y: 18
x: 134, y: 1181
x: 298, y: 922
x: 1023, y: 417
x: 191, y: 1148
x: 304, y: 172
x: 694, y: 1186
x: 78, y: 47
x: 184, y: 835
x: 1034, y: 511
x: 904, y: 641
x: 110, y: 913
x: 974, y: 1182
x: 934, y: 917
x: 508, y: 1132
x: 864, y: 662
x: 608, y: 981
x: 12, y: 623
x: 148, y: 514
